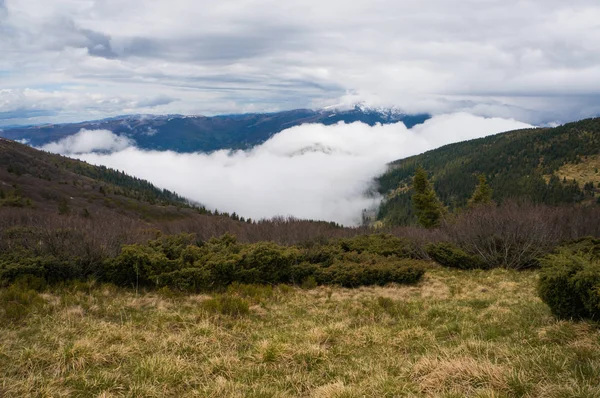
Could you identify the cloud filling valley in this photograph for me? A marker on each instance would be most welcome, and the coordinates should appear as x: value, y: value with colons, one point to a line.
x: 310, y: 171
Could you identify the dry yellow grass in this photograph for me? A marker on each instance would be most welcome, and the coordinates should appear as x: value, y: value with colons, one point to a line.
x: 457, y: 334
x: 586, y: 171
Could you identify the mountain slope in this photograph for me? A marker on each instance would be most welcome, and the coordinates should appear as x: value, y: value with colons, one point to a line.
x: 205, y: 134
x: 539, y: 164
x: 51, y: 183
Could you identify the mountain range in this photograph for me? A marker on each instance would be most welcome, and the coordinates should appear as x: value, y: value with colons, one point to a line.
x: 206, y: 134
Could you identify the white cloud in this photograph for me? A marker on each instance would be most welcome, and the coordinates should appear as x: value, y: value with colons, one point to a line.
x: 537, y: 60
x: 310, y: 171
x: 86, y: 141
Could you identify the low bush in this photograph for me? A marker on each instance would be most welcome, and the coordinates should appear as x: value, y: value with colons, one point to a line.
x: 589, y: 246
x: 382, y: 244
x: 570, y: 284
x: 185, y: 264
x: 448, y: 255
x: 365, y: 270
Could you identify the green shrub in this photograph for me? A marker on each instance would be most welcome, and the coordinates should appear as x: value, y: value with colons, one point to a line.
x: 570, y: 285
x: 299, y: 272
x: 448, y: 255
x: 371, y: 271
x: 382, y: 244
x: 138, y: 265
x: 184, y: 264
x: 226, y: 304
x: 588, y: 246
x: 191, y: 280
x: 320, y: 254
x: 266, y: 262
x: 19, y: 263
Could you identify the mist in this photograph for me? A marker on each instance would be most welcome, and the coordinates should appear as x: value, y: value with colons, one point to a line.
x: 310, y: 171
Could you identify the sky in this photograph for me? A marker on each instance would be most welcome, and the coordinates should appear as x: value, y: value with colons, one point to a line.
x: 70, y: 60
x: 310, y: 171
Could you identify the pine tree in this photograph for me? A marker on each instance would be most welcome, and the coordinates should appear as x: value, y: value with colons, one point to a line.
x: 483, y: 193
x: 427, y: 206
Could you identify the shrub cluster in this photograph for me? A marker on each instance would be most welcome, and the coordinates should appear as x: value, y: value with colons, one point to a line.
x: 183, y: 263
x: 449, y: 255
x: 570, y: 280
x: 178, y: 261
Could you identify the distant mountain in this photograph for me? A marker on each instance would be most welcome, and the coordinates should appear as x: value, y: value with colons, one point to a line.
x: 546, y: 165
x: 199, y: 133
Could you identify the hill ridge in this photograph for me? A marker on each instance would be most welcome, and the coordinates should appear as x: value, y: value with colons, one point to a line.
x: 520, y: 163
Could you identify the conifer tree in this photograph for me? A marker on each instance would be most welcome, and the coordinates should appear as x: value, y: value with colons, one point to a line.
x: 483, y: 193
x: 426, y: 204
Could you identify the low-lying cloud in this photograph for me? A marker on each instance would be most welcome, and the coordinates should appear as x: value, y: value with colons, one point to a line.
x: 86, y: 141
x: 310, y: 171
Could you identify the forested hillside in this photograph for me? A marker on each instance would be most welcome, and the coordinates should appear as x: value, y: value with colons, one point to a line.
x: 546, y: 165
x: 38, y: 180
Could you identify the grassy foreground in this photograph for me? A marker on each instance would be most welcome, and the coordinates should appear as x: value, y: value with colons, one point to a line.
x: 457, y: 333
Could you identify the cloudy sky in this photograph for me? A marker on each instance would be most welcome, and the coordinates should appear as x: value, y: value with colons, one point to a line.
x: 65, y: 60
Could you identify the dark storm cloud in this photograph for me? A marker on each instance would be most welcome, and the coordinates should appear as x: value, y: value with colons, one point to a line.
x: 97, y: 44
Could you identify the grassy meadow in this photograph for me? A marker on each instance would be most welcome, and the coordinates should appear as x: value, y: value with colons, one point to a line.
x: 455, y: 334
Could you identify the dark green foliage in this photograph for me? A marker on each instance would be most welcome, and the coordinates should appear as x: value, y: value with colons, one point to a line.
x: 48, y: 267
x: 179, y: 262
x: 483, y: 193
x: 381, y: 244
x: 267, y: 262
x: 588, y: 246
x: 184, y: 264
x: 516, y: 164
x: 53, y: 255
x: 365, y: 270
x: 427, y: 206
x: 176, y: 261
x: 449, y: 255
x: 570, y: 285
